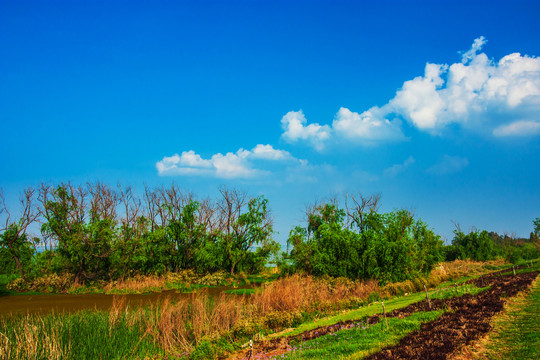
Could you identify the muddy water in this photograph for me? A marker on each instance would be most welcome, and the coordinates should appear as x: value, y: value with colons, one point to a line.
x: 58, y: 303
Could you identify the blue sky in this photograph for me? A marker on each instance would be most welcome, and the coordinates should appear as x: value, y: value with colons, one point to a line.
x: 435, y: 105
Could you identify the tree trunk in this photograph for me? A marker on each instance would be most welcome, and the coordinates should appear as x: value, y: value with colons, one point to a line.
x: 19, y: 266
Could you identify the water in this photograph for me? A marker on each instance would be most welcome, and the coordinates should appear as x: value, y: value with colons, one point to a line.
x: 58, y: 303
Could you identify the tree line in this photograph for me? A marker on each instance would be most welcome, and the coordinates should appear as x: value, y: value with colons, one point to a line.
x: 94, y: 231
x: 358, y: 242
x: 97, y: 232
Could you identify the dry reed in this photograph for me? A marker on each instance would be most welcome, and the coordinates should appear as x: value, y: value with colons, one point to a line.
x: 305, y: 293
x: 178, y: 326
x: 137, y: 284
x: 32, y: 342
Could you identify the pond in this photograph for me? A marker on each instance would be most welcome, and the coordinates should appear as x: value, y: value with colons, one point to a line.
x: 58, y: 303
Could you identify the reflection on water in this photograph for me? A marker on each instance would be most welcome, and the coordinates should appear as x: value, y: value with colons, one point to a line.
x: 58, y: 303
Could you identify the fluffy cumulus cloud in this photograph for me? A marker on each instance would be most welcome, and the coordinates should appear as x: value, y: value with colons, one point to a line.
x: 294, y: 129
x: 269, y: 153
x: 500, y: 98
x: 228, y: 166
x: 367, y: 127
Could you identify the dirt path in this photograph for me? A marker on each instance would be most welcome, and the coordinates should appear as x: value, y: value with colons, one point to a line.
x: 468, y: 319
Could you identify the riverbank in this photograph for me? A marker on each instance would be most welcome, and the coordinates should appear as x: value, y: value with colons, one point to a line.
x: 200, y: 326
x: 184, y: 281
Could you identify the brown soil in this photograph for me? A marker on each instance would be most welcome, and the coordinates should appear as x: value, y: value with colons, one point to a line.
x: 467, y: 319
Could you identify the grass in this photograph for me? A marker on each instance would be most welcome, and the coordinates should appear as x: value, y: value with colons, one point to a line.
x: 455, y: 291
x: 516, y: 334
x: 369, y: 310
x: 84, y: 335
x: 359, y: 341
x: 376, y: 307
x: 4, y: 280
x: 240, y: 291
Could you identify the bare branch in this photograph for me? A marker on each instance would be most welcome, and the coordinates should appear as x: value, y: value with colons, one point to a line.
x: 4, y: 209
x: 359, y: 205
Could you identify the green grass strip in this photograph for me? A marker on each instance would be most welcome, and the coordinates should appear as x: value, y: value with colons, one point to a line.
x: 376, y: 307
x: 361, y: 340
x: 240, y: 291
x: 516, y: 334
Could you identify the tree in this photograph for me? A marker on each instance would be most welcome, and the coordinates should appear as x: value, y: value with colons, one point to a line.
x: 359, y: 242
x: 240, y: 229
x: 187, y: 235
x: 14, y: 235
x: 84, y: 244
x: 357, y: 208
x: 475, y: 245
x: 536, y: 223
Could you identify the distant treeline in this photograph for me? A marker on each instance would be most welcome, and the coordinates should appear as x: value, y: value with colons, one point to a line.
x: 97, y: 232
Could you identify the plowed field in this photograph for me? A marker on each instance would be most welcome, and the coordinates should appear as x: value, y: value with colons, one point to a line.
x: 466, y: 319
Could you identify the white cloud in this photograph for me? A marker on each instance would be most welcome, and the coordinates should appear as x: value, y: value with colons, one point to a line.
x: 293, y: 124
x: 518, y: 128
x: 399, y: 168
x: 369, y: 125
x: 418, y: 100
x: 449, y: 164
x: 228, y: 166
x: 478, y: 93
x: 477, y: 45
x: 191, y: 159
x: 267, y: 152
x: 481, y: 95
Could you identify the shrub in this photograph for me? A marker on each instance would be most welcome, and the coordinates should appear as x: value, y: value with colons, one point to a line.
x: 282, y: 319
x: 18, y: 285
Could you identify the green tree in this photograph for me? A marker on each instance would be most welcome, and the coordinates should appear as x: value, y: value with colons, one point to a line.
x: 388, y: 247
x: 15, y: 247
x: 84, y: 246
x: 14, y: 239
x: 474, y: 245
x: 241, y: 229
x: 187, y: 235
x: 536, y: 223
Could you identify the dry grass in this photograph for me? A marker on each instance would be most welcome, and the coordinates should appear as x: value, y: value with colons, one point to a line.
x: 5, y: 347
x: 460, y: 268
x: 138, y: 284
x: 179, y: 326
x: 442, y: 272
x: 300, y: 292
x: 31, y: 342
